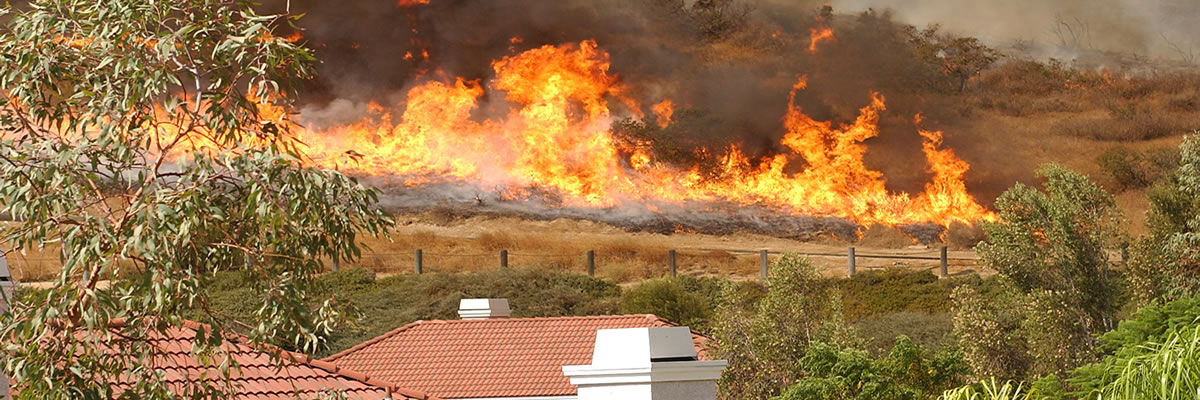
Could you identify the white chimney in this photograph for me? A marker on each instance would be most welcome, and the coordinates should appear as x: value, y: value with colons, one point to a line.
x: 483, y: 308
x: 8, y: 285
x: 646, y: 364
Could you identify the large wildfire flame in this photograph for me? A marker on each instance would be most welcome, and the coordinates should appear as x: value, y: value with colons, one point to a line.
x: 557, y: 136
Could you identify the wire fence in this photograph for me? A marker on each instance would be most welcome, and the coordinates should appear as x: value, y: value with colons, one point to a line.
x: 424, y: 262
x: 421, y: 261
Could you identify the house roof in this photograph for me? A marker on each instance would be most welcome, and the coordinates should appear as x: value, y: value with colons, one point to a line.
x: 483, y: 358
x: 260, y: 377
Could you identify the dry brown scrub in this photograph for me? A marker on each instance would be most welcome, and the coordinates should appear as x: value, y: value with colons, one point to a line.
x: 468, y: 244
x: 618, y: 259
x: 1097, y: 105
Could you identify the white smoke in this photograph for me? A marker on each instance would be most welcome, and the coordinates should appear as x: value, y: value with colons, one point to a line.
x: 1161, y: 29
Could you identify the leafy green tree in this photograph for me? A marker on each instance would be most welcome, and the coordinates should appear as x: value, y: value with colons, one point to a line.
x: 1051, y: 250
x: 765, y: 340
x: 1166, y: 263
x: 147, y: 139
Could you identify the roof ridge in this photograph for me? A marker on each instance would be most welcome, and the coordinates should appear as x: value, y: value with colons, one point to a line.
x: 563, y: 317
x: 373, y: 340
x: 402, y: 328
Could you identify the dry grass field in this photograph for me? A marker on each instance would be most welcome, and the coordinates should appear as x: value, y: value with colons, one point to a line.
x: 475, y: 243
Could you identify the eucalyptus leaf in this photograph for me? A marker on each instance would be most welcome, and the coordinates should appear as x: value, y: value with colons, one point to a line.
x: 147, y: 164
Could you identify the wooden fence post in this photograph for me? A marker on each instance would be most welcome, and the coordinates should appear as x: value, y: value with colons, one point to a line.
x: 503, y: 259
x: 591, y: 262
x: 337, y: 263
x: 671, y: 261
x: 419, y: 264
x: 763, y: 259
x: 850, y: 262
x: 945, y: 263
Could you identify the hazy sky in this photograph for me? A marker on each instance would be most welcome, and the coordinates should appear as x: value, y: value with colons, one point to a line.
x: 1141, y: 26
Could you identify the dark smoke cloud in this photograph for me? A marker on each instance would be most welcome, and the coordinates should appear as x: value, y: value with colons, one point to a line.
x: 362, y: 47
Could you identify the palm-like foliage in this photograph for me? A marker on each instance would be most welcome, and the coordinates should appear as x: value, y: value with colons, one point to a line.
x: 990, y: 390
x: 1164, y: 370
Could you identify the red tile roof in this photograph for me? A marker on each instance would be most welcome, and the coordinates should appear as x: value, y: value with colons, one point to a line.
x: 260, y: 377
x: 499, y: 357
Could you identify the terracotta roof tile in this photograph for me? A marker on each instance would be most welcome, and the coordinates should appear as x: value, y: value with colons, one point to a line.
x: 260, y: 377
x: 500, y: 357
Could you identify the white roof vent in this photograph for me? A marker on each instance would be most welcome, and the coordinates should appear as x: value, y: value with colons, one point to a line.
x: 646, y: 364
x: 7, y: 283
x: 483, y: 308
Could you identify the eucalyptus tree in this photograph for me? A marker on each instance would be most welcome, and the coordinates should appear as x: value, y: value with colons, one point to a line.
x: 1051, y: 250
x: 1163, y: 263
x: 149, y: 140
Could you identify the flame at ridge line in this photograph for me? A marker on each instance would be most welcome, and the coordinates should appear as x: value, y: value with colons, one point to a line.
x: 557, y: 135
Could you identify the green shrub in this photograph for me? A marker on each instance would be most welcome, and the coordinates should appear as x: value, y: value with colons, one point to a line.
x: 1123, y: 166
x: 1160, y: 369
x: 871, y: 293
x: 909, y: 371
x: 671, y: 298
x: 1130, y: 169
x: 1151, y: 324
x: 930, y: 330
x: 1134, y: 338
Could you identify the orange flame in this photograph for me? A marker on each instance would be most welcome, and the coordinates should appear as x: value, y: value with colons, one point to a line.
x: 410, y: 3
x: 817, y: 36
x: 556, y: 135
x: 946, y: 196
x: 663, y: 111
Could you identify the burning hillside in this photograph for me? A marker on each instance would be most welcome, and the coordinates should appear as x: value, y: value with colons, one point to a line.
x: 557, y: 137
x: 556, y: 124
